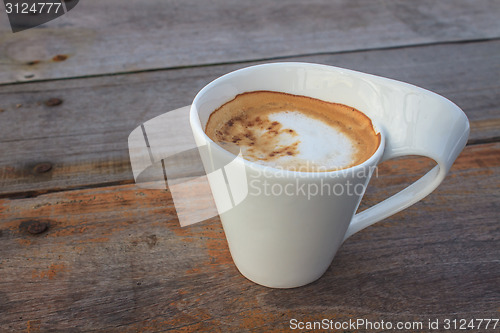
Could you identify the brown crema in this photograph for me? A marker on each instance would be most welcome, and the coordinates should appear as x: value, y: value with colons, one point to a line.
x: 245, y: 121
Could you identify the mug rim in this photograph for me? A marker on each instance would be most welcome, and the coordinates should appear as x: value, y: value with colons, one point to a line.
x: 196, y: 125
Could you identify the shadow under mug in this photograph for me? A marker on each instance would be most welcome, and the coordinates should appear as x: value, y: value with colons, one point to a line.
x: 284, y: 227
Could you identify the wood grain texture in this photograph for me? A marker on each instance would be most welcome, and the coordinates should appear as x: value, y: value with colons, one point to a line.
x: 85, y: 137
x: 116, y: 36
x: 114, y: 259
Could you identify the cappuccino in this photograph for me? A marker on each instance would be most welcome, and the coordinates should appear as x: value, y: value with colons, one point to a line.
x: 294, y: 132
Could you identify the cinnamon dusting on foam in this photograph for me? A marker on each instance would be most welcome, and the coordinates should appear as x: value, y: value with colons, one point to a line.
x: 319, y: 135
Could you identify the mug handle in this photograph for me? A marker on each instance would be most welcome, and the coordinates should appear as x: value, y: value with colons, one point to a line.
x: 440, y: 132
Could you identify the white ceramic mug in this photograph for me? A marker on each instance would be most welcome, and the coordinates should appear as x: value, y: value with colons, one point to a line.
x: 288, y: 238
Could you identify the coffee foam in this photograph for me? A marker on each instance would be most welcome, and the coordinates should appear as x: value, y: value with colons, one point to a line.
x: 294, y: 132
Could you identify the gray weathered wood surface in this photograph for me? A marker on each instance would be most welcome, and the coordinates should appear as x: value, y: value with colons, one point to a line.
x: 113, y: 258
x: 118, y: 36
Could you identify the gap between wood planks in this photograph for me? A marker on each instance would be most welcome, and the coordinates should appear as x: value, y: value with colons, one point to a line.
x: 36, y: 193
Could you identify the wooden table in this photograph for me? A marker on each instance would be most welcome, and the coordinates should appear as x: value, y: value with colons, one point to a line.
x: 82, y: 248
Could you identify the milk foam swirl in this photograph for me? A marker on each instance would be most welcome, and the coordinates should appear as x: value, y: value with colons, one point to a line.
x: 294, y: 132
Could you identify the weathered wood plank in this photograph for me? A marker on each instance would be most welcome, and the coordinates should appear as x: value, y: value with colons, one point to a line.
x: 85, y: 138
x: 114, y: 259
x: 99, y: 37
